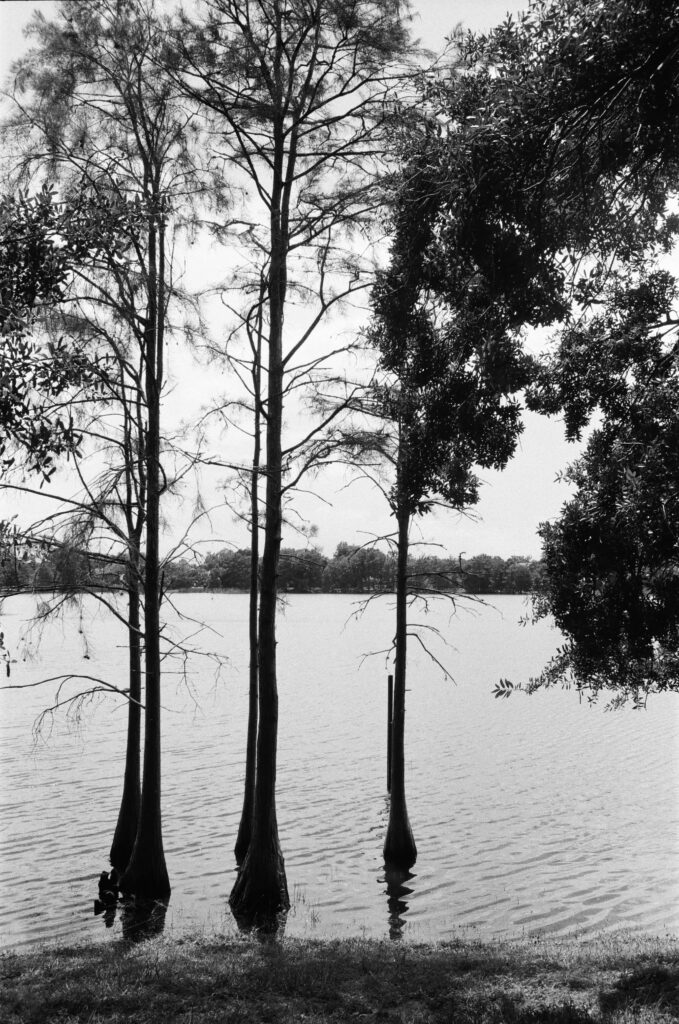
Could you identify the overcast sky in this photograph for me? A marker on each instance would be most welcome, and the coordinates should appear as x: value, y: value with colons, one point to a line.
x: 512, y: 502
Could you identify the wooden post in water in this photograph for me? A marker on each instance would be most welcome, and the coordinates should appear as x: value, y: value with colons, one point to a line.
x: 390, y: 720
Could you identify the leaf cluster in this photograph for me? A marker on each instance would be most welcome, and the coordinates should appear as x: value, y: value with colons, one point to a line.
x: 451, y: 405
x: 553, y: 137
x: 42, y: 241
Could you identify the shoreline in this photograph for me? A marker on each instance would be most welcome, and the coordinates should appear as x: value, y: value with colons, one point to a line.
x: 615, y: 978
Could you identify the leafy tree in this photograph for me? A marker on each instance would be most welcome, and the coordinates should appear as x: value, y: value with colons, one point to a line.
x: 519, y: 578
x: 183, y: 574
x: 484, y: 574
x: 301, y: 570
x: 228, y: 569
x: 451, y: 410
x: 537, y: 172
x: 358, y: 568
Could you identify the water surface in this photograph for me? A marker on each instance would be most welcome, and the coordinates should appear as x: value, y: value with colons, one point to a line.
x: 531, y: 815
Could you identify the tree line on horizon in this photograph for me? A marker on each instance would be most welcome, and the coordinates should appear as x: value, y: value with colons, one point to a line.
x: 357, y: 569
x: 527, y: 179
x: 352, y: 569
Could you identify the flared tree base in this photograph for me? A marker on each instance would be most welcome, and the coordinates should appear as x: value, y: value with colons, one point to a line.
x: 400, y: 852
x: 259, y: 899
x: 146, y: 884
x: 146, y: 876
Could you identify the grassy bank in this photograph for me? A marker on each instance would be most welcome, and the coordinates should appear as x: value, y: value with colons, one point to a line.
x: 619, y: 978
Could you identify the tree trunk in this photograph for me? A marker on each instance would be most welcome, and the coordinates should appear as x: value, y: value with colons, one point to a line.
x: 146, y: 875
x: 245, y: 828
x: 128, y: 816
x: 400, y: 851
x: 260, y: 893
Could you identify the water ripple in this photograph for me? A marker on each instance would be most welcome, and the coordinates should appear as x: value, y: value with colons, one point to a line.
x: 530, y: 816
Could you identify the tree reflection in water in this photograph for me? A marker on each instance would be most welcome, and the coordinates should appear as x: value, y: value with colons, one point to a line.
x: 108, y: 909
x: 396, y: 893
x: 107, y: 903
x: 142, y: 919
x: 263, y: 926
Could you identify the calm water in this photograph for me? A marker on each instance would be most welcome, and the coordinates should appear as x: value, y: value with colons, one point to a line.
x: 531, y: 815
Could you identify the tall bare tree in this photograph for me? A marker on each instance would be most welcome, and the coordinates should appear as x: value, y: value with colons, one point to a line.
x: 299, y: 95
x: 95, y: 110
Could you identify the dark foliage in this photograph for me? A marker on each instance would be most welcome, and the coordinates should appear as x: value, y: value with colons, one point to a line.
x: 612, y: 557
x: 42, y: 241
x: 548, y: 163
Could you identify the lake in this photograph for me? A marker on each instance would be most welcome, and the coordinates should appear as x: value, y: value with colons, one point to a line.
x: 532, y: 815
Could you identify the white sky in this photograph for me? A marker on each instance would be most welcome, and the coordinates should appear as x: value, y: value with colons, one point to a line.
x: 512, y: 503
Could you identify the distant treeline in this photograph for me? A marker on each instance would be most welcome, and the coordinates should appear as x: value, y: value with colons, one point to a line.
x: 45, y: 566
x: 355, y: 569
x: 352, y: 569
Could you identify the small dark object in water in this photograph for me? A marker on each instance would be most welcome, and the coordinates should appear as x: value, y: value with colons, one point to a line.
x: 108, y: 910
x: 108, y: 889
